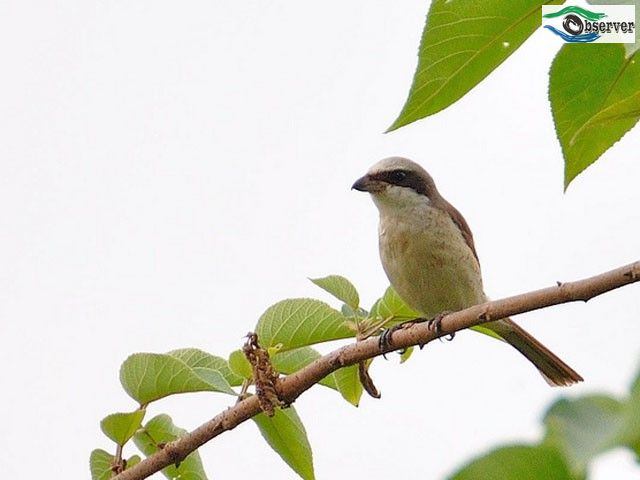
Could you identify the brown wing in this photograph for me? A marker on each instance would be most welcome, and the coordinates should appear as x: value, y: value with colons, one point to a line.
x: 461, y: 223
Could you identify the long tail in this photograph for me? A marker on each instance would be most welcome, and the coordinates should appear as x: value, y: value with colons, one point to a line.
x: 555, y: 371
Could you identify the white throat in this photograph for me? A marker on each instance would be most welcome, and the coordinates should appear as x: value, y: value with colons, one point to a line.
x: 401, y: 203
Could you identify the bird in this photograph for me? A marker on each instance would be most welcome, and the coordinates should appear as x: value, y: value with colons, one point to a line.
x: 428, y: 254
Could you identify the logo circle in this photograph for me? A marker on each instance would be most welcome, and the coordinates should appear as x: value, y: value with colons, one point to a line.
x: 573, y: 24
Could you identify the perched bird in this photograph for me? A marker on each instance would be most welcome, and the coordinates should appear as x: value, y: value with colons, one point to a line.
x: 427, y: 252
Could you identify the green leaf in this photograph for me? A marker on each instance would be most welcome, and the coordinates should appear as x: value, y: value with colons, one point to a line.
x: 150, y: 376
x: 160, y: 430
x: 595, y: 98
x: 285, y: 433
x: 240, y: 365
x: 583, y: 428
x: 120, y: 427
x: 344, y: 380
x: 486, y: 331
x: 299, y: 322
x: 517, y: 463
x: 348, y: 384
x: 132, y: 461
x: 215, y: 379
x: 392, y: 306
x: 404, y: 356
x: 100, y: 463
x: 341, y: 288
x: 630, y: 434
x: 198, y: 358
x: 635, y: 448
x: 630, y: 47
x: 294, y: 360
x: 577, y: 430
x: 348, y: 312
x: 462, y: 42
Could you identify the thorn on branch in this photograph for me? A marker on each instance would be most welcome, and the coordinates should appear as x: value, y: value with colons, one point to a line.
x: 264, y: 377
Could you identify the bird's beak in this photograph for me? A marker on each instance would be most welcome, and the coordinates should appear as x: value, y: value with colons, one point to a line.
x: 368, y: 184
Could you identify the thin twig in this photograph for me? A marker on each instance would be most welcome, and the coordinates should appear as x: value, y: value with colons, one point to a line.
x: 292, y: 386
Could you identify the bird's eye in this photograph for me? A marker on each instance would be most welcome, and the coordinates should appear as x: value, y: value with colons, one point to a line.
x: 398, y: 176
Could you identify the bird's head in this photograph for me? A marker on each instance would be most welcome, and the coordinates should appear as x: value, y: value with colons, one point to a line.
x: 398, y: 183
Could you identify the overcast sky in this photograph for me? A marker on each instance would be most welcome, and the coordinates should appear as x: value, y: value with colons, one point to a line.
x: 168, y: 170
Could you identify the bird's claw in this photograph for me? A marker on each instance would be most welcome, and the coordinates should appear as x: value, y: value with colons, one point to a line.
x: 435, y: 324
x: 385, y: 341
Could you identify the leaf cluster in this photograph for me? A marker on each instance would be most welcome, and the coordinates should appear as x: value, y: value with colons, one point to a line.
x: 594, y: 89
x: 576, y: 431
x: 288, y: 330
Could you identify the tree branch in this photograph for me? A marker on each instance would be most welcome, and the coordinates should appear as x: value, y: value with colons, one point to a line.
x: 292, y: 386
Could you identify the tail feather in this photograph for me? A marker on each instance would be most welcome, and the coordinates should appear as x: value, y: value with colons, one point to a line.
x: 555, y: 371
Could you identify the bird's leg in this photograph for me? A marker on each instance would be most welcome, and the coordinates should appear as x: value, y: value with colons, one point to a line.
x: 435, y: 324
x: 385, y: 341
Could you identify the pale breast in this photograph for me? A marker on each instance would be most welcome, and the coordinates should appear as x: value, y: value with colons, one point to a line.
x: 430, y: 265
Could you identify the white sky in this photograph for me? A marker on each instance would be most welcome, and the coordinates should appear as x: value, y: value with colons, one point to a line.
x: 170, y: 169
